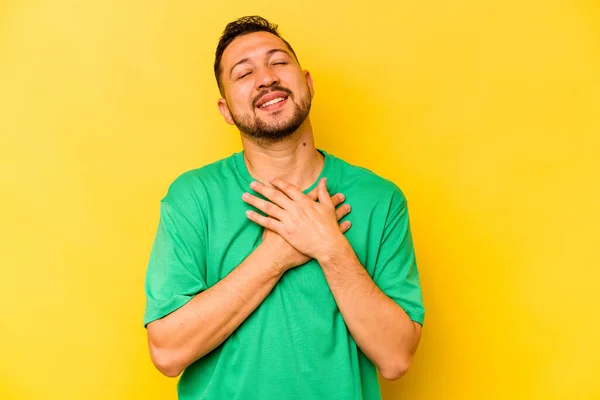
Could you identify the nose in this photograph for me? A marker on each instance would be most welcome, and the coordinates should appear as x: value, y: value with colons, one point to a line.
x: 265, y: 78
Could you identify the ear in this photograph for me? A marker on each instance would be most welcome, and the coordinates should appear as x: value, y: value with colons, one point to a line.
x: 224, y: 110
x: 309, y: 83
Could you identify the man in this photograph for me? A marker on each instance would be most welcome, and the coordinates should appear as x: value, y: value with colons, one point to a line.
x: 258, y: 287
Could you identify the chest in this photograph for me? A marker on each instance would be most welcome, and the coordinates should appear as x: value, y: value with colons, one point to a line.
x: 232, y: 237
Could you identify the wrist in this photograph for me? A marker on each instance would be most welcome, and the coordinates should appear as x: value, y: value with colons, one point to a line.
x: 334, y: 250
x: 275, y: 266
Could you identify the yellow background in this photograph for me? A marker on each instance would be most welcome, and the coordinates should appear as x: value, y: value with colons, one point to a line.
x: 486, y: 113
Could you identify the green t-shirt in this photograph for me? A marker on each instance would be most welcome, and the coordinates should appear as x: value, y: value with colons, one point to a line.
x: 295, y: 345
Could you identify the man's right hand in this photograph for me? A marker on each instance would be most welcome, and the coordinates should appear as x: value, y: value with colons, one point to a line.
x: 285, y: 256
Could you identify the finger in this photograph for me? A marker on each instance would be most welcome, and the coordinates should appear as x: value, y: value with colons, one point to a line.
x: 323, y: 193
x: 267, y: 207
x: 337, y: 199
x: 273, y: 194
x: 344, y: 226
x: 266, y: 222
x: 342, y: 211
x: 290, y: 190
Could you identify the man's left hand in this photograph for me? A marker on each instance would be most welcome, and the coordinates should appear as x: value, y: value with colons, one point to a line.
x: 310, y: 227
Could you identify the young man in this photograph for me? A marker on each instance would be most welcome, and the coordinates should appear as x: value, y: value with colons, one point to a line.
x: 258, y: 287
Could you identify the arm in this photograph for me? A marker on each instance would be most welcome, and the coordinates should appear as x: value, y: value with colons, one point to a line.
x: 206, y: 319
x: 373, y: 310
x: 203, y: 323
x: 380, y: 327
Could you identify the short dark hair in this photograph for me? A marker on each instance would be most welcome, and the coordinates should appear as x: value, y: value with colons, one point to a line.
x: 239, y: 27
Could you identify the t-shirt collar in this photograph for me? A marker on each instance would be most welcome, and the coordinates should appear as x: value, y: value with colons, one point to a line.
x: 244, y: 174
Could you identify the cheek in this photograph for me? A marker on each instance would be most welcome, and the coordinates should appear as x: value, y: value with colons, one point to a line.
x: 300, y: 86
x: 240, y: 100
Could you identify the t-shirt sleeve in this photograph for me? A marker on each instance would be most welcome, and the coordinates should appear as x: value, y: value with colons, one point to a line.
x: 396, y: 272
x: 176, y: 269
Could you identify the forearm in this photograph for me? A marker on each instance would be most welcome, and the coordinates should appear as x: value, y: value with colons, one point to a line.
x: 379, y: 326
x: 203, y: 323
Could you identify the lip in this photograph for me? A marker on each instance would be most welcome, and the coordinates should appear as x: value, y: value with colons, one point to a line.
x: 270, y: 96
x: 274, y: 107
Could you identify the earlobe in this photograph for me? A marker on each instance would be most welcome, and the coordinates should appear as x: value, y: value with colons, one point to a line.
x: 309, y: 83
x: 224, y: 110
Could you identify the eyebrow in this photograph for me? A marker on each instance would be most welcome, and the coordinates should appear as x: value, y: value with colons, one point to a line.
x: 269, y: 53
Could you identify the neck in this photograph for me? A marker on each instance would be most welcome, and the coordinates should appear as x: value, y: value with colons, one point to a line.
x: 293, y: 159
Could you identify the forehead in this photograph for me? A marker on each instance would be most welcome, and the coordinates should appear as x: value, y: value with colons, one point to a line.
x: 251, y: 45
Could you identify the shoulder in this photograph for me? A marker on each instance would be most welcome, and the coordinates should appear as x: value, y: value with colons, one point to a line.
x: 371, y: 184
x: 191, y: 186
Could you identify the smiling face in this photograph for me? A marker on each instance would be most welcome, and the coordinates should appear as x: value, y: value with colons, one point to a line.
x: 266, y: 93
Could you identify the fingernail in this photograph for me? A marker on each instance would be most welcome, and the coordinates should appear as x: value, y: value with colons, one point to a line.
x: 253, y: 184
x: 342, y: 197
x: 245, y: 196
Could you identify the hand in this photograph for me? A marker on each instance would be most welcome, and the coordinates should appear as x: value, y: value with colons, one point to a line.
x: 285, y: 255
x: 310, y: 227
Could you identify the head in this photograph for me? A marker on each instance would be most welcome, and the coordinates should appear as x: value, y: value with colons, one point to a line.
x: 265, y: 92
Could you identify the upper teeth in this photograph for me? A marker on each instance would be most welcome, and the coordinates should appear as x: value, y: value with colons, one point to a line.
x: 268, y: 103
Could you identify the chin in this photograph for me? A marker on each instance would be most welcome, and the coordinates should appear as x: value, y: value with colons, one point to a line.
x: 274, y: 126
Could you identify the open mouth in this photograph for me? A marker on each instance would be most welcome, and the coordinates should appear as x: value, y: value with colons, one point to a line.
x: 272, y: 101
x: 274, y: 104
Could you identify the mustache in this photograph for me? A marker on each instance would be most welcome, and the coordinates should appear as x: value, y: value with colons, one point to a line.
x: 272, y: 89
